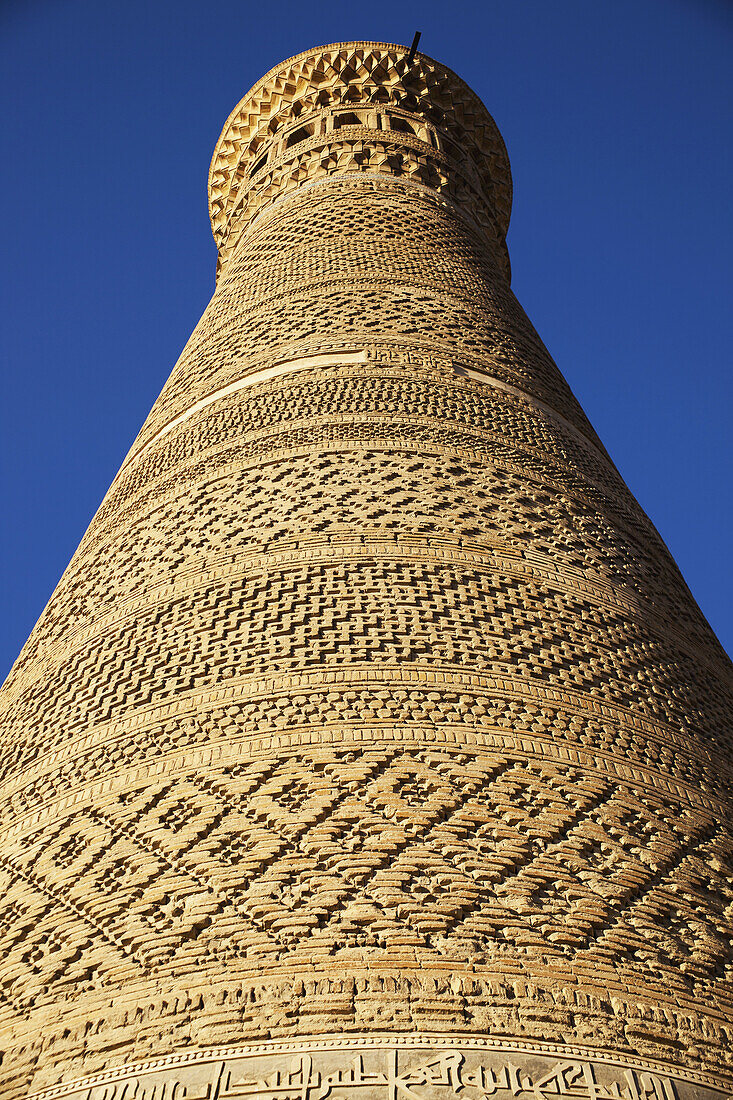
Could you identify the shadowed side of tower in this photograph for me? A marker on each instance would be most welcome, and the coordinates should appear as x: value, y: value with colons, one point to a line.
x: 371, y: 744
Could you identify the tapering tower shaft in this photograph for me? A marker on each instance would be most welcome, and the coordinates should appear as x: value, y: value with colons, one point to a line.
x: 371, y: 744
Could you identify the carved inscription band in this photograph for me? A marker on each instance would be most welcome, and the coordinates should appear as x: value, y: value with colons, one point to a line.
x: 394, y: 1067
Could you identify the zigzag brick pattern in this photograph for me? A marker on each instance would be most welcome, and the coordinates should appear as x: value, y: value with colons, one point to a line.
x: 371, y: 701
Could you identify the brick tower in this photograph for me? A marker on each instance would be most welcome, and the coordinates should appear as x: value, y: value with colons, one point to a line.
x: 371, y: 745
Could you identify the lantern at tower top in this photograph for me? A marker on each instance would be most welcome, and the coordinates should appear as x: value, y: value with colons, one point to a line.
x: 359, y: 107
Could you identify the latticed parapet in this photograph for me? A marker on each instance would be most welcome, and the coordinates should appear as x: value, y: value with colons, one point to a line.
x: 359, y: 107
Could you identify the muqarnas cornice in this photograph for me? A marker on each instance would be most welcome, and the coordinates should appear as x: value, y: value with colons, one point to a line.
x: 360, y: 107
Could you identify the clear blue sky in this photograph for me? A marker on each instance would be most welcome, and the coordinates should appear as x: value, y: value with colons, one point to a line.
x: 618, y: 117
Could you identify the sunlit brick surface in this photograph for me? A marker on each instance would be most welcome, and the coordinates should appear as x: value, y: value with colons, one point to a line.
x: 371, y: 701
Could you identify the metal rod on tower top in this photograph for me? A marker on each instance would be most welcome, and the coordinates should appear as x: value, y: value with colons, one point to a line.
x: 413, y: 48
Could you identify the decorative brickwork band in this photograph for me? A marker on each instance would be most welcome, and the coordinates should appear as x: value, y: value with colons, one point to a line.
x: 372, y: 733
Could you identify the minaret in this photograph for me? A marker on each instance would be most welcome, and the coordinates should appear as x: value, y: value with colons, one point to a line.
x: 371, y: 745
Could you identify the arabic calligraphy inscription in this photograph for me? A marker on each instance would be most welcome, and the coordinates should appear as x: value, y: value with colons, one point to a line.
x: 399, y: 1072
